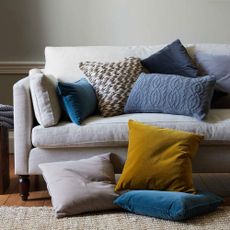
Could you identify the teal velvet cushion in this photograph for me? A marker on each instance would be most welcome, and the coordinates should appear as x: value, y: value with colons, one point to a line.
x: 168, y: 205
x: 78, y: 99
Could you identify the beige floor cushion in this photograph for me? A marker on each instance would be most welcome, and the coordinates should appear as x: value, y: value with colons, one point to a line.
x: 80, y: 186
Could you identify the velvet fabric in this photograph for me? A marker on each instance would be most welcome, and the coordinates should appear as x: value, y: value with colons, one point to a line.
x: 78, y: 99
x: 172, y: 59
x: 175, y: 206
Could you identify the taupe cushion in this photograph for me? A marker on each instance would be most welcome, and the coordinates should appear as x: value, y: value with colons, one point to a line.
x: 112, y: 82
x: 81, y: 186
x: 44, y: 98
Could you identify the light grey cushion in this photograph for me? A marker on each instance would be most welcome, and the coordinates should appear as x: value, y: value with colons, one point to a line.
x: 173, y: 94
x: 44, y: 98
x: 216, y: 65
x: 81, y: 186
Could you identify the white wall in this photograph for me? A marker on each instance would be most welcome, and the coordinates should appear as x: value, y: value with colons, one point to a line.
x: 27, y: 26
x: 30, y: 25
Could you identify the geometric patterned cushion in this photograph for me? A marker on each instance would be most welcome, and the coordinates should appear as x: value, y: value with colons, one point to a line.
x: 112, y: 82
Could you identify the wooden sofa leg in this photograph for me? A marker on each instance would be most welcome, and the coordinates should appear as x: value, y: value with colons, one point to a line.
x: 24, y: 186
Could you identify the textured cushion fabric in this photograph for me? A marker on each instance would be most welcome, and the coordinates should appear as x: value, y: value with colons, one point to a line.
x: 80, y: 186
x: 112, y: 82
x: 175, y: 206
x: 113, y: 131
x: 45, y: 102
x: 78, y: 99
x: 173, y: 59
x: 171, y: 94
x: 158, y: 159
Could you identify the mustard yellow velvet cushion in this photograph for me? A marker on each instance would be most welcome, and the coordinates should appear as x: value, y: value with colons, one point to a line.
x: 159, y: 159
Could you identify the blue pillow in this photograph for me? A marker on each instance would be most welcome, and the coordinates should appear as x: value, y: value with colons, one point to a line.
x: 218, y: 66
x: 173, y: 59
x: 78, y: 99
x: 168, y: 205
x: 172, y: 94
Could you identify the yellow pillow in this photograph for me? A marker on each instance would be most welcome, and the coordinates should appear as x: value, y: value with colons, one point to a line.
x: 159, y: 159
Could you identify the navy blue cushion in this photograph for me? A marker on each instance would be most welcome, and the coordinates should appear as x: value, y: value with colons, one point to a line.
x: 173, y: 94
x: 168, y: 205
x: 173, y: 59
x: 78, y: 99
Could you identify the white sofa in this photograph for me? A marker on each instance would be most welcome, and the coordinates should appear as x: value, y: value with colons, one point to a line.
x: 67, y: 141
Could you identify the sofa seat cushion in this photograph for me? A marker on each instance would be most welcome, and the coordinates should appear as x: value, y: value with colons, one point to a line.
x: 97, y: 131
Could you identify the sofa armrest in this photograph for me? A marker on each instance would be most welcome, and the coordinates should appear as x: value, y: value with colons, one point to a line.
x: 23, y: 124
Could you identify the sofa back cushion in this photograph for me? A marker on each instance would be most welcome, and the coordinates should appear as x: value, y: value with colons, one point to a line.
x: 62, y: 62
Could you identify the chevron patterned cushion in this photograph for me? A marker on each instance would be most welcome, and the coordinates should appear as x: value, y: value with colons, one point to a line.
x: 112, y: 82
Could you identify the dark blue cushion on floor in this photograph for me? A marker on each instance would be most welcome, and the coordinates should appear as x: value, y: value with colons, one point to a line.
x: 168, y: 205
x: 173, y: 59
x: 78, y: 99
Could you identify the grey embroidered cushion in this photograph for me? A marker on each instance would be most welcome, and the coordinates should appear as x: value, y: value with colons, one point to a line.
x: 112, y: 82
x: 81, y: 186
x: 173, y: 94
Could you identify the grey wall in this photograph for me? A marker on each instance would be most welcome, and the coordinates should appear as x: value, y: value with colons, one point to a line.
x: 30, y: 25
x: 27, y: 26
x: 6, y: 84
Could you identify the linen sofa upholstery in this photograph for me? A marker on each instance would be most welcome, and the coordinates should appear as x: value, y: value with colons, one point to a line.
x: 23, y: 120
x: 113, y: 131
x: 206, y: 161
x: 67, y: 141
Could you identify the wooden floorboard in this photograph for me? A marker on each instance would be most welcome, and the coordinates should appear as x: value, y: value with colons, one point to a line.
x: 40, y: 197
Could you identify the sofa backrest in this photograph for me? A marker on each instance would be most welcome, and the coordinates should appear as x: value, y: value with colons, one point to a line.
x: 62, y: 62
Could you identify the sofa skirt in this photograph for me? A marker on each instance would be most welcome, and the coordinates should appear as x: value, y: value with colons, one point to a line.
x: 209, y: 159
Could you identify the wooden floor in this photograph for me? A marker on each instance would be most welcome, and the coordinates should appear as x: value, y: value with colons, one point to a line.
x: 40, y: 197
